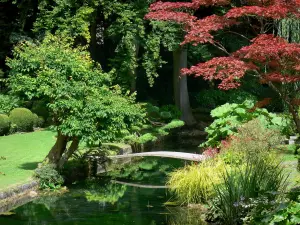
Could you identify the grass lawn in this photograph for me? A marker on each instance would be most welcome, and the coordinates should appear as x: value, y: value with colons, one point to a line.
x: 290, y: 163
x: 22, y: 152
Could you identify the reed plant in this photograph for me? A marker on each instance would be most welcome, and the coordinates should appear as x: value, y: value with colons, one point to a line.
x: 239, y: 186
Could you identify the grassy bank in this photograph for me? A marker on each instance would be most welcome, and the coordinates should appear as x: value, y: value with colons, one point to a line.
x: 22, y: 152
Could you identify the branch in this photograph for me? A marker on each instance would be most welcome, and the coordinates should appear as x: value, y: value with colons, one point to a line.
x: 220, y: 47
x: 238, y: 34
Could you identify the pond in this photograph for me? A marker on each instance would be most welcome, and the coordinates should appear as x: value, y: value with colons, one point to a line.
x: 105, y: 202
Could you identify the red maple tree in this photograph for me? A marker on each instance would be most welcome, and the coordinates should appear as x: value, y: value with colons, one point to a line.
x: 270, y: 58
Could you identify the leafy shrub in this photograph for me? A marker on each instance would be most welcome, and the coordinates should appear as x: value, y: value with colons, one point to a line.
x: 40, y: 108
x: 289, y: 127
x: 173, y: 110
x: 4, y: 124
x: 229, y: 117
x: 194, y: 183
x: 213, y: 98
x: 270, y: 212
x: 38, y: 120
x: 23, y: 119
x: 210, y: 98
x: 159, y: 124
x: 252, y: 140
x: 48, y: 177
x: 7, y: 103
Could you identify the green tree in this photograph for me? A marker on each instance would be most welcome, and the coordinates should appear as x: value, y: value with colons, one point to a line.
x: 82, y: 104
x: 170, y: 36
x: 120, y: 27
x: 116, y: 27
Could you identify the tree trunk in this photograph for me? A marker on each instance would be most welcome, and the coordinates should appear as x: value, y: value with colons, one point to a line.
x: 57, y: 150
x: 93, y: 44
x: 295, y: 116
x: 132, y: 73
x: 73, y: 147
x: 292, y: 110
x: 181, y: 95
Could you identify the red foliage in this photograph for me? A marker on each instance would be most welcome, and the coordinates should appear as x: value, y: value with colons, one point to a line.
x: 266, y: 48
x: 195, y: 4
x: 261, y: 104
x: 225, y: 144
x: 272, y: 58
x: 227, y: 69
x: 179, y: 17
x: 277, y: 11
x: 295, y: 101
x: 171, y: 5
x: 210, y: 152
x: 281, y: 58
x: 281, y: 78
x: 199, y: 31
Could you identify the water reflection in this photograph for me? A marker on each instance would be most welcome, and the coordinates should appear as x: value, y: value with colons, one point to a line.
x: 112, y: 204
x: 186, y: 216
x: 110, y: 193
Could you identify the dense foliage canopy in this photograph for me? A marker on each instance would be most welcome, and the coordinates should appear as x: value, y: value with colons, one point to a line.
x: 77, y: 92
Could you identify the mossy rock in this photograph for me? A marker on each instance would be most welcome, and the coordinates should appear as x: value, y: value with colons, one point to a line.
x: 4, y: 124
x: 22, y: 119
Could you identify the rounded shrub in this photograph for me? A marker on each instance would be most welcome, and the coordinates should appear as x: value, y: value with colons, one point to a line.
x: 38, y: 120
x: 4, y: 124
x: 22, y: 119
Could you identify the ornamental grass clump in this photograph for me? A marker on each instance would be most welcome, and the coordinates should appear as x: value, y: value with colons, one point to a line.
x: 195, y: 183
x: 255, y: 171
x: 239, y: 186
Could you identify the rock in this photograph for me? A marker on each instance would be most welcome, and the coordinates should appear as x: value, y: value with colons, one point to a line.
x: 33, y: 194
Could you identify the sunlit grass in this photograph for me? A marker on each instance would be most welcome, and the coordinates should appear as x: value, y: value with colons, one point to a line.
x: 290, y: 162
x: 22, y: 152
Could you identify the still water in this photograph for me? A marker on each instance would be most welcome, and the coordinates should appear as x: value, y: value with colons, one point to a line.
x: 105, y: 203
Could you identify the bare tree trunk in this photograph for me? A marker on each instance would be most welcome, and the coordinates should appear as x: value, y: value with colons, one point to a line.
x: 132, y: 73
x: 292, y: 110
x: 181, y: 95
x: 295, y: 116
x: 57, y: 150
x: 93, y: 44
x: 73, y: 147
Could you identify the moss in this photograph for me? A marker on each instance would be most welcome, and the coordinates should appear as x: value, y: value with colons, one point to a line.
x: 22, y: 119
x: 4, y: 124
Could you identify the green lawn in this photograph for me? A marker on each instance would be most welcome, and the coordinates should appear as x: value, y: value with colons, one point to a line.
x: 290, y: 163
x: 22, y: 152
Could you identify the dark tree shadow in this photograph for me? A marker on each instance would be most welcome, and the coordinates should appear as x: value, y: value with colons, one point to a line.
x: 29, y: 166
